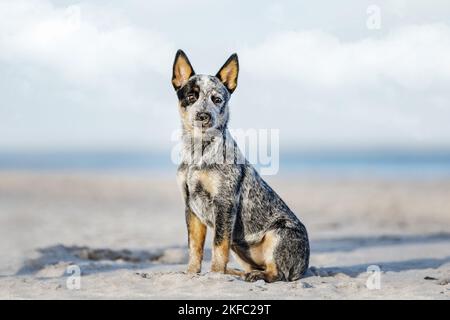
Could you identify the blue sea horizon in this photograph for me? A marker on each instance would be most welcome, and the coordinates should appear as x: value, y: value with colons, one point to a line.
x: 435, y: 164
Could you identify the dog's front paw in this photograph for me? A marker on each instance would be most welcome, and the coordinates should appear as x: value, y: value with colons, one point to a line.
x: 254, y: 276
x: 194, y: 269
x: 218, y: 268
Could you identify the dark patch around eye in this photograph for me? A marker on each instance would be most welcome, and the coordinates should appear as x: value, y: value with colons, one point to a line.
x: 216, y: 99
x: 189, y: 88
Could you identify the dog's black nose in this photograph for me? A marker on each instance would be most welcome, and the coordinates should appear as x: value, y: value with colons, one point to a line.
x: 204, y: 117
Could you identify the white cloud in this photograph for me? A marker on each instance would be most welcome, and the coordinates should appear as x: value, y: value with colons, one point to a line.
x: 79, y: 75
x: 382, y: 91
x: 98, y: 73
x: 413, y: 57
x: 70, y: 41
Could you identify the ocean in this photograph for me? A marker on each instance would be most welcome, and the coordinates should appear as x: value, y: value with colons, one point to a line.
x: 394, y: 164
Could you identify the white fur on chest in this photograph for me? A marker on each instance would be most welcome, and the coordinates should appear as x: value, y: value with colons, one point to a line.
x: 209, y: 180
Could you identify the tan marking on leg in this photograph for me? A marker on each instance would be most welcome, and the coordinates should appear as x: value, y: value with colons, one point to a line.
x: 262, y: 254
x: 220, y: 255
x: 235, y: 272
x: 245, y: 265
x: 271, y: 272
x: 197, y: 234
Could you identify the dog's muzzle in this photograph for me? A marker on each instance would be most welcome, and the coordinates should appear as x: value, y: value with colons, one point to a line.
x: 203, y: 118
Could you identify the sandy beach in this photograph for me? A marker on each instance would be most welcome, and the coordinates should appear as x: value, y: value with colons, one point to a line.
x: 126, y: 233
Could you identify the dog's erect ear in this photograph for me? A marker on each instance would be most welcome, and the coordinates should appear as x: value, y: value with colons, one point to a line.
x: 182, y: 70
x: 228, y: 74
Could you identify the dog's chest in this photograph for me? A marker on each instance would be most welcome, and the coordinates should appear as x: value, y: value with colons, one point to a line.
x: 203, y: 186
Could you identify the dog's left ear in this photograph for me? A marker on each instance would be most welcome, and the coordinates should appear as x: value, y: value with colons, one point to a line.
x: 228, y: 74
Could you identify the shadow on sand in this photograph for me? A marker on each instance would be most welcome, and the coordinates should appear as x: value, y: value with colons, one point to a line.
x: 385, y: 266
x: 354, y: 243
x: 101, y: 260
x: 105, y: 260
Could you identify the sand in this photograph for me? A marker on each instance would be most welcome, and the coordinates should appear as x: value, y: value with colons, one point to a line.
x: 127, y: 236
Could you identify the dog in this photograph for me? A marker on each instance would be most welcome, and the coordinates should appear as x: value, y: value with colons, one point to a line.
x: 223, y: 191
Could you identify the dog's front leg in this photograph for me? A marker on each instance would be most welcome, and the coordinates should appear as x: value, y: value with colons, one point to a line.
x: 222, y: 238
x: 196, y: 241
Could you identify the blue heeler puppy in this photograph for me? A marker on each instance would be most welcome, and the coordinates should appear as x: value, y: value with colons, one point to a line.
x: 223, y: 191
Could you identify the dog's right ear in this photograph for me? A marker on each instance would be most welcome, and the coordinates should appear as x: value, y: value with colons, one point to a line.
x: 182, y: 70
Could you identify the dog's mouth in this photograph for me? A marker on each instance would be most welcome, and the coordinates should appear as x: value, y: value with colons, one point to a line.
x: 202, y: 125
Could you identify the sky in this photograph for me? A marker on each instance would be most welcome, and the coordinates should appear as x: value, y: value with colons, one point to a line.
x: 327, y: 74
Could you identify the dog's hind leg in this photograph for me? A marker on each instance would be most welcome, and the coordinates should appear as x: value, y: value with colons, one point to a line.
x: 292, y: 253
x: 244, y: 264
x: 269, y: 274
x: 263, y: 256
x: 283, y: 254
x: 235, y: 272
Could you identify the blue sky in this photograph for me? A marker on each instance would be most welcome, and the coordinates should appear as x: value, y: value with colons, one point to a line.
x: 96, y: 74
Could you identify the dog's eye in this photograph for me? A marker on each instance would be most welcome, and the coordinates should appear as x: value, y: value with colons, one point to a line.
x: 191, y: 98
x: 216, y: 100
